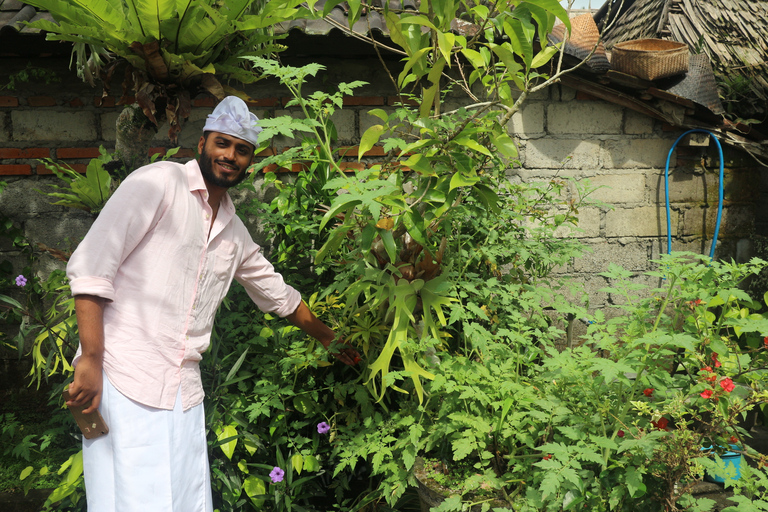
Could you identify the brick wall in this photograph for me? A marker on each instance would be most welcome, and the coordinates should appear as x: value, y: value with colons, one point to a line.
x: 560, y: 132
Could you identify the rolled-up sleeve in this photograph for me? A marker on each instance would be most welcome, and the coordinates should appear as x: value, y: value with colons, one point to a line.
x: 267, y: 288
x: 128, y: 215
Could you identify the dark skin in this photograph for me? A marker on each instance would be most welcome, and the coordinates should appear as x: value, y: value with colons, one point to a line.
x: 229, y: 159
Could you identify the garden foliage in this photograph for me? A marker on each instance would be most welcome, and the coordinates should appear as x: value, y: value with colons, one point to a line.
x: 440, y: 269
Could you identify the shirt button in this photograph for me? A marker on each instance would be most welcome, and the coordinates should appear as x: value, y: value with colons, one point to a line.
x: 207, y: 216
x: 187, y: 336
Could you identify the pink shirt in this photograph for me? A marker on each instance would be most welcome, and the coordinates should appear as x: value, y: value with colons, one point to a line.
x: 149, y: 254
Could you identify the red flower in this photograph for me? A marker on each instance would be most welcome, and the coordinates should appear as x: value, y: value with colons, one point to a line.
x: 707, y: 393
x: 711, y: 378
x: 707, y: 369
x: 734, y: 439
x: 697, y: 302
x: 620, y: 433
x: 765, y: 341
x: 648, y: 391
x: 714, y: 358
x: 661, y: 424
x: 727, y: 384
x: 547, y: 456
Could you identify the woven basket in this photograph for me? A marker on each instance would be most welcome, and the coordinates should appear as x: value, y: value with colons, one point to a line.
x: 650, y: 59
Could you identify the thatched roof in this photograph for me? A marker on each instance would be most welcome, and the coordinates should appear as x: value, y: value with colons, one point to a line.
x: 732, y: 33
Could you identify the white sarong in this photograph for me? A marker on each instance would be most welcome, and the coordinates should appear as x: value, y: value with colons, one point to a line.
x: 152, y: 460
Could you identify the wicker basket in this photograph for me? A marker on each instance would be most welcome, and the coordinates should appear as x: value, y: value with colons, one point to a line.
x: 650, y: 59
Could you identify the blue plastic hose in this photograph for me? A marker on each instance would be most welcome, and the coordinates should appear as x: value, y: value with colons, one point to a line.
x: 720, y: 190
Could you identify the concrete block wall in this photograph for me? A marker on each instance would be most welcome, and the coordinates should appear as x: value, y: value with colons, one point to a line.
x: 622, y: 154
x: 560, y: 133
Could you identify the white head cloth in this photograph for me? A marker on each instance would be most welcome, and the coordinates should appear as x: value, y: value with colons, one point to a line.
x: 232, y: 117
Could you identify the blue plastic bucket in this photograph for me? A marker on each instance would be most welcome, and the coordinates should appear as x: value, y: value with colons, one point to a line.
x: 731, y: 458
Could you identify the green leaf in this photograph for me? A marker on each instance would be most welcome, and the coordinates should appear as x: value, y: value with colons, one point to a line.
x: 254, y: 487
x: 227, y: 432
x: 311, y: 463
x: 417, y: 20
x: 460, y: 180
x: 634, y: 481
x: 389, y: 243
x: 369, y: 139
x: 297, y: 461
x: 445, y: 42
x: 26, y: 472
x: 544, y: 56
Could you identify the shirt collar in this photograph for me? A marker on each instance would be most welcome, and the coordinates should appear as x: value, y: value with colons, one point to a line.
x: 197, y: 184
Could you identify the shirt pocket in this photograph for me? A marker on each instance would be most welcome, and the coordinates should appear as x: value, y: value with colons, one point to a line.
x: 224, y: 260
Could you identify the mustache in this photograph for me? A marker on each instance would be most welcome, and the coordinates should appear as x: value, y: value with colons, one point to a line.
x: 228, y: 162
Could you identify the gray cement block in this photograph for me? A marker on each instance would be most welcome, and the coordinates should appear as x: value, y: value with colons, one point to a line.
x: 63, y: 232
x: 344, y: 120
x: 736, y: 220
x: 588, y: 225
x: 584, y: 117
x: 645, y: 221
x: 33, y: 125
x: 108, y: 121
x: 636, y: 123
x: 551, y: 153
x: 5, y: 134
x: 619, y: 188
x: 21, y: 200
x: 632, y: 256
x: 528, y: 122
x: 635, y: 153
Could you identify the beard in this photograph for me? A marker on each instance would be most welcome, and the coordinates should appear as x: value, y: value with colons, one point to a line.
x: 206, y: 169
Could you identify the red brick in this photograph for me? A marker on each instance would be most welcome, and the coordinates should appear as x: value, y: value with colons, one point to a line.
x: 352, y: 101
x: 106, y: 101
x: 397, y: 100
x: 126, y: 100
x: 351, y: 166
x: 76, y: 102
x: 24, y: 153
x: 266, y: 152
x: 41, y: 101
x: 77, y: 152
x: 204, y: 102
x: 9, y: 101
x: 264, y: 102
x: 156, y: 151
x: 81, y: 168
x: 275, y: 168
x: 353, y: 151
x: 185, y: 153
x: 15, y: 170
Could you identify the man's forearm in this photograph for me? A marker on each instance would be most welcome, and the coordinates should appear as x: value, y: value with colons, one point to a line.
x: 305, y: 320
x: 90, y: 323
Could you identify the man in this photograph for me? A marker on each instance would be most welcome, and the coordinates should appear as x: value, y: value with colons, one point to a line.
x: 147, y: 281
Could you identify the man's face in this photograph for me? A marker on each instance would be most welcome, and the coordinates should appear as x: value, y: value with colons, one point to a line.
x: 224, y: 159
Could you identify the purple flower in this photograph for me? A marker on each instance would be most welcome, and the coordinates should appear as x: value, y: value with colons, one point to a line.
x: 21, y: 281
x: 277, y: 475
x: 323, y: 428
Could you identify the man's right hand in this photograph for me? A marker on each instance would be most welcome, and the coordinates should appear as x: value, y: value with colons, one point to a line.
x: 87, y: 385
